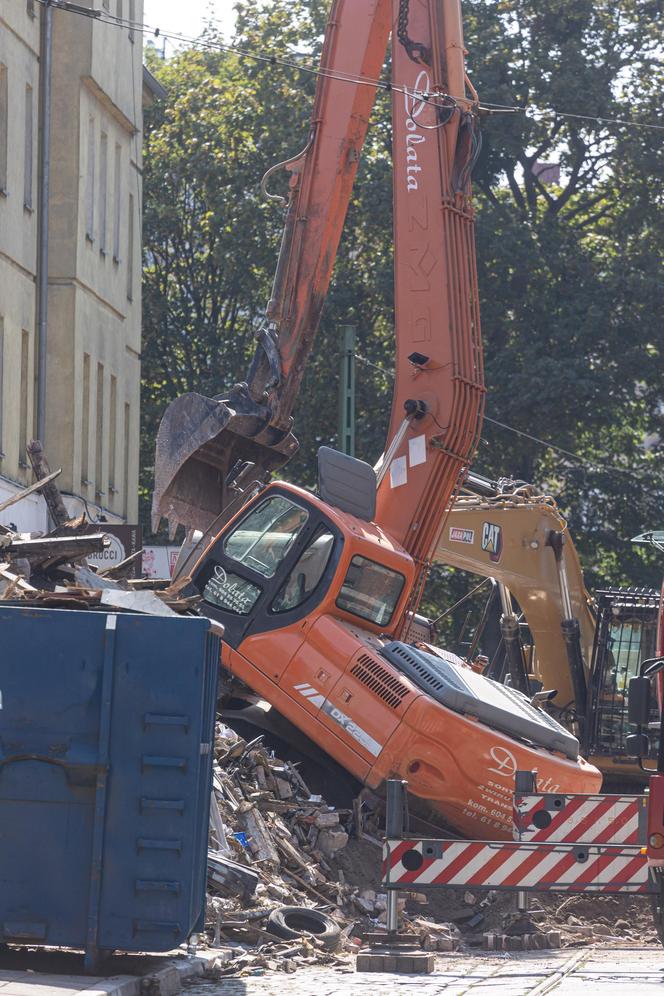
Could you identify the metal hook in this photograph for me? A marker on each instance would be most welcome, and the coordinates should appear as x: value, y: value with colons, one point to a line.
x: 284, y: 165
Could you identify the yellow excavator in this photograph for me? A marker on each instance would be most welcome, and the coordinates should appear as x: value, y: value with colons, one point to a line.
x: 574, y: 653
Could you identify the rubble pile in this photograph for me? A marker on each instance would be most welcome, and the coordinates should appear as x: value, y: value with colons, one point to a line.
x: 276, y: 847
x: 272, y: 847
x: 50, y: 570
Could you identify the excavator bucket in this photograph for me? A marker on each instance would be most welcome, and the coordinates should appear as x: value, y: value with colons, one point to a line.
x: 200, y: 443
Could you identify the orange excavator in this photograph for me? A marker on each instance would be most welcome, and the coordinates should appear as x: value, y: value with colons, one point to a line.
x: 317, y: 593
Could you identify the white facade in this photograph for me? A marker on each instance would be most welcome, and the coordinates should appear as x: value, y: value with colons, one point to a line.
x: 94, y: 272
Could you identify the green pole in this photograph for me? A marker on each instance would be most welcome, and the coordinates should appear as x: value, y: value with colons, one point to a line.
x: 347, y: 391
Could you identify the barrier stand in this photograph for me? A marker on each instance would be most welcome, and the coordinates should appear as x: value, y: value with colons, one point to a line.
x: 390, y: 950
x: 567, y: 843
x: 525, y: 783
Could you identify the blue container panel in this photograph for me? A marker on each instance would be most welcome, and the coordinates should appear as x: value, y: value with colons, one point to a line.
x: 160, y: 738
x: 105, y: 773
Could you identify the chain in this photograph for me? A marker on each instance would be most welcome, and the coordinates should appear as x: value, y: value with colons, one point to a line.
x: 416, y: 50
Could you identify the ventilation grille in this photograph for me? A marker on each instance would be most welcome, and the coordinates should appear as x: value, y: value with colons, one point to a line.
x: 462, y: 690
x: 383, y: 684
x: 422, y: 669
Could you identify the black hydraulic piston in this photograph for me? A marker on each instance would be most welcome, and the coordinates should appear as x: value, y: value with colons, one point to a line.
x: 509, y: 627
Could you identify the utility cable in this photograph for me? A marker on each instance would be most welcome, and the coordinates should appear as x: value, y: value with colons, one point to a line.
x: 559, y: 449
x: 203, y: 44
x: 465, y: 598
x: 547, y: 444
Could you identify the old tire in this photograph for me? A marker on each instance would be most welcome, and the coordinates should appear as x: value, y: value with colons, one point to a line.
x: 292, y: 922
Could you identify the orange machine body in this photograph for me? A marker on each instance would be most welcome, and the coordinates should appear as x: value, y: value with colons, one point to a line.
x: 320, y: 665
x: 314, y: 600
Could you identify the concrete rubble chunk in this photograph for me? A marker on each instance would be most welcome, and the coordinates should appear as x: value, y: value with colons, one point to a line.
x: 326, y: 820
x: 331, y: 840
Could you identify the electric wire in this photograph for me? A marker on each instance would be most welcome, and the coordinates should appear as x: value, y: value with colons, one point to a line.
x: 202, y: 43
x: 547, y: 444
x: 463, y: 599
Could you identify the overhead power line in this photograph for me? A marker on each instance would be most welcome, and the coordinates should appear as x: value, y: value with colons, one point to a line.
x: 560, y: 449
x: 547, y: 444
x: 383, y: 85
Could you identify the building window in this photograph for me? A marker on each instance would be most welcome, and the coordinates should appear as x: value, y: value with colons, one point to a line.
x: 99, y: 441
x: 23, y: 412
x: 27, y: 150
x: 4, y: 125
x: 90, y: 183
x: 117, y: 200
x: 85, y: 422
x: 127, y: 437
x: 103, y: 190
x: 112, y: 436
x: 130, y: 250
x: 132, y: 19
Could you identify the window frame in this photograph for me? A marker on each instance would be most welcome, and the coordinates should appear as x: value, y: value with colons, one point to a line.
x: 28, y: 148
x: 256, y: 508
x: 4, y: 129
x: 359, y: 615
x: 319, y: 530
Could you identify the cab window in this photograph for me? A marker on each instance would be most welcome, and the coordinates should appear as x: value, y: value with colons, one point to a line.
x: 370, y: 591
x: 264, y: 537
x: 306, y: 573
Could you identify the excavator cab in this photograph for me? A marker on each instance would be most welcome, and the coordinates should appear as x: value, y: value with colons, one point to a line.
x: 277, y: 564
x: 288, y: 552
x: 625, y: 637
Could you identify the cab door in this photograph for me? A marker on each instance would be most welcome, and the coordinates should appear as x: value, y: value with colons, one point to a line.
x: 262, y: 578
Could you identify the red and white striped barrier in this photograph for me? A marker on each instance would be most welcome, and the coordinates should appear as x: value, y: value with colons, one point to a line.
x: 555, y: 867
x: 593, y: 819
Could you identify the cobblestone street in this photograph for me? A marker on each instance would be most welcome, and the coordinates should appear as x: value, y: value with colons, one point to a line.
x: 623, y: 972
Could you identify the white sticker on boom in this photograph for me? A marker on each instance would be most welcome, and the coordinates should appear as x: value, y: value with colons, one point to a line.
x: 398, y: 472
x: 417, y: 450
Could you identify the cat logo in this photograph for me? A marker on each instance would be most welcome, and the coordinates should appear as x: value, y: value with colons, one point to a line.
x: 492, y: 540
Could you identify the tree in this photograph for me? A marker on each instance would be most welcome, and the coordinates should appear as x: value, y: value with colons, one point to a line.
x: 210, y: 239
x: 569, y: 271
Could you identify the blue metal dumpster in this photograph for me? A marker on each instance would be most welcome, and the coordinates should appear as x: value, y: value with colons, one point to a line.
x: 106, y: 747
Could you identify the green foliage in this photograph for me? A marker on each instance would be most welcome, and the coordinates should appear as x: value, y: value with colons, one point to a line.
x: 570, y: 273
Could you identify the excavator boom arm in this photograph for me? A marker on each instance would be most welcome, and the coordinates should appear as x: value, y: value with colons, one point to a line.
x: 321, y: 186
x: 204, y: 445
x: 509, y: 538
x: 439, y: 387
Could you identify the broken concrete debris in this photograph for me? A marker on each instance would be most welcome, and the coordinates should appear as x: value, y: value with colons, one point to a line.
x: 51, y: 569
x: 270, y: 884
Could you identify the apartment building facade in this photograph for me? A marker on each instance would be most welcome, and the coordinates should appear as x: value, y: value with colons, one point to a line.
x: 91, y: 327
